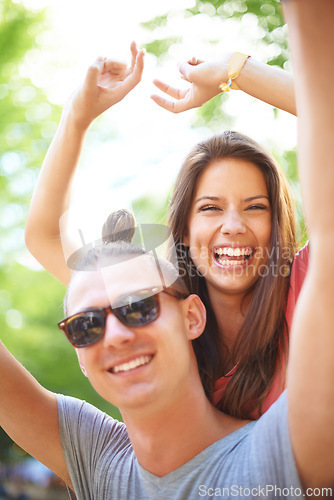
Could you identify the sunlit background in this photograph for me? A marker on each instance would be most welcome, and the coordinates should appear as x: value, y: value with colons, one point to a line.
x: 132, y: 153
x: 137, y: 148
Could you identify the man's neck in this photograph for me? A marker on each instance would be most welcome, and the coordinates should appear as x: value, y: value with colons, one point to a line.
x: 174, y: 435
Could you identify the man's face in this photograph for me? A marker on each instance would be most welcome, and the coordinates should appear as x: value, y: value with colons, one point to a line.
x: 133, y: 368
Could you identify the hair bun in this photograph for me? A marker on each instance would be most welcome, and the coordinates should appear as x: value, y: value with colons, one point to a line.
x: 119, y: 226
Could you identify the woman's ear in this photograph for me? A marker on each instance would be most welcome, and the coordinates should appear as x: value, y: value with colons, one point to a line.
x: 195, y: 316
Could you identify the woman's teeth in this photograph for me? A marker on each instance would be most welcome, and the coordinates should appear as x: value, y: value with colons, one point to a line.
x: 231, y: 262
x: 239, y: 255
x: 233, y: 252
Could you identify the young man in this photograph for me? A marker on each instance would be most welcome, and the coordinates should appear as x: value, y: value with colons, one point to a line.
x: 174, y: 443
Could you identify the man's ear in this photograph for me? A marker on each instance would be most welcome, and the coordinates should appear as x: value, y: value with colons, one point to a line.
x: 83, y: 369
x: 195, y: 316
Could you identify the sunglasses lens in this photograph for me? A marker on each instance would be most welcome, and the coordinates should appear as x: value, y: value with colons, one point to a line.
x: 138, y: 311
x: 87, y: 328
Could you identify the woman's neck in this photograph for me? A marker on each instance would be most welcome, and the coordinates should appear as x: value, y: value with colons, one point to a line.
x: 229, y: 312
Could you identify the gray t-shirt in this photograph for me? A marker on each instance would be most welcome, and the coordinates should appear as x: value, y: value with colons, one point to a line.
x: 254, y: 461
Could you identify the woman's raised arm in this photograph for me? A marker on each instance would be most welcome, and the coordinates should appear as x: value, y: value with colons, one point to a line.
x: 311, y: 358
x: 106, y: 83
x: 267, y: 83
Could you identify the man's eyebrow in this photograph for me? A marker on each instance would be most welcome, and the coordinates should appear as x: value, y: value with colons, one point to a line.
x: 217, y: 198
x: 86, y: 309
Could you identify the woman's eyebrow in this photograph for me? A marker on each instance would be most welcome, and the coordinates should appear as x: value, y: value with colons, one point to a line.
x: 217, y: 198
x: 258, y: 196
x: 207, y: 197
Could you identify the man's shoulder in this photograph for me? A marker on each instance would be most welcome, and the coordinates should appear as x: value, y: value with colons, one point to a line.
x: 78, y: 416
x: 260, y: 438
x: 274, y: 420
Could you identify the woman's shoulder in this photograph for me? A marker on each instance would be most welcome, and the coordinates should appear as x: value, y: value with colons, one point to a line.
x: 299, y: 269
x: 303, y: 254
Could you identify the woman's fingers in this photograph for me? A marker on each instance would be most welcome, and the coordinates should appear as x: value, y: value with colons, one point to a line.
x: 194, y: 61
x: 164, y: 103
x: 172, y: 106
x: 186, y: 69
x: 171, y: 91
x: 181, y: 96
x: 114, y: 67
x: 135, y: 74
x: 94, y: 71
x: 134, y: 53
x: 139, y: 65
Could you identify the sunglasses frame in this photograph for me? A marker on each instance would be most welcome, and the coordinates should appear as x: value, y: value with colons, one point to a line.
x: 111, y: 308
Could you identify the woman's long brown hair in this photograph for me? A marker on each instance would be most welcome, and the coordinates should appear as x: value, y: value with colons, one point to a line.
x: 260, y: 348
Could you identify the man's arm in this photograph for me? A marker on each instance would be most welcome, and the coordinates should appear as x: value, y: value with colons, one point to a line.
x: 29, y: 414
x: 107, y: 82
x: 311, y: 365
x: 271, y: 85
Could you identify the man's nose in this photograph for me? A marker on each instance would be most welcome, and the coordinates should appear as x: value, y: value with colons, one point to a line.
x: 116, y: 333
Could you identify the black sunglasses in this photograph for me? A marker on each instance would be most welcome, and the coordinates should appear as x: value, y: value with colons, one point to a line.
x: 133, y: 309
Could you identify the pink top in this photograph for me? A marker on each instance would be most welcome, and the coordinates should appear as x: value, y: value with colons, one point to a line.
x: 298, y: 273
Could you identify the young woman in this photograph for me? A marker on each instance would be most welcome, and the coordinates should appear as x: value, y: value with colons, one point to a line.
x: 232, y: 218
x: 233, y: 223
x: 231, y: 215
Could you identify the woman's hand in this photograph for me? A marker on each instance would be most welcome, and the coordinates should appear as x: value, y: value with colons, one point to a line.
x: 204, y: 78
x: 106, y: 83
x: 262, y: 81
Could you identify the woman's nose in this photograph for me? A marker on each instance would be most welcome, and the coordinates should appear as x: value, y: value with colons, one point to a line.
x: 232, y: 223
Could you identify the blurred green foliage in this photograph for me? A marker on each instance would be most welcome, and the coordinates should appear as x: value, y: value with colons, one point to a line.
x: 27, y: 122
x: 289, y: 163
x: 213, y: 115
x: 268, y: 15
x: 159, y: 47
x: 30, y: 301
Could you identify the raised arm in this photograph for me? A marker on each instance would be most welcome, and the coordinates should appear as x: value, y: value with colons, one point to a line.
x: 267, y: 83
x: 106, y: 83
x: 311, y: 365
x: 29, y: 415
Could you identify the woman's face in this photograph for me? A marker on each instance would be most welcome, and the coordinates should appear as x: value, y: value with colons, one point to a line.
x: 229, y: 227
